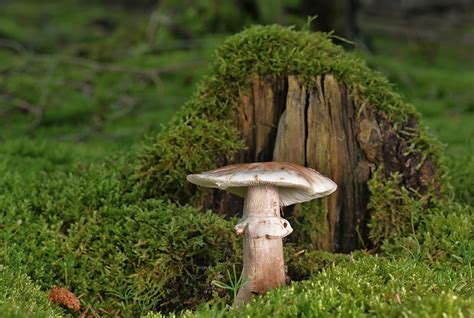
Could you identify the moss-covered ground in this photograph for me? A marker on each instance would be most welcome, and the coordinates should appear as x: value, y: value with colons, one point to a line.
x: 82, y: 87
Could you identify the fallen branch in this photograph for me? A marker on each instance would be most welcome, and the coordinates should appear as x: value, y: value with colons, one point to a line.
x: 23, y: 105
x: 16, y: 46
x: 97, y: 66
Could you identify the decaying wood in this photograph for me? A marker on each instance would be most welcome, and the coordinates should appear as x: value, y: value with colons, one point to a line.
x: 333, y: 150
x: 259, y: 114
x: 321, y: 134
x: 290, y: 141
x: 259, y: 111
x: 322, y: 127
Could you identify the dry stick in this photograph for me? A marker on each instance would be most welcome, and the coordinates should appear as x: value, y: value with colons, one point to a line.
x: 83, y: 314
x: 91, y: 309
x: 20, y: 104
x: 45, y: 89
x: 16, y: 46
x: 101, y: 67
x: 96, y: 128
x: 152, y: 73
x: 19, y: 48
x: 38, y: 111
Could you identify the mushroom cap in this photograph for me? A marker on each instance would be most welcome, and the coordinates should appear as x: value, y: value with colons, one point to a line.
x: 295, y: 183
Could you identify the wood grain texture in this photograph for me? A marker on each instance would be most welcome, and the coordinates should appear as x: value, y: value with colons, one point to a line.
x: 333, y: 150
x: 290, y: 141
x: 322, y: 127
x: 259, y: 113
x: 259, y: 110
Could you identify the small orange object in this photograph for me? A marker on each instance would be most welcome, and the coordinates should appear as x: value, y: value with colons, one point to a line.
x: 64, y: 297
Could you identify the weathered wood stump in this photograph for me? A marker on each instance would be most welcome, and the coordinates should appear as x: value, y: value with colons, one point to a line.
x: 322, y: 127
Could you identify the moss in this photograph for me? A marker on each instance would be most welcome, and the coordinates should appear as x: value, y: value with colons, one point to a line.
x: 203, y: 133
x: 187, y: 139
x: 426, y: 274
x: 394, y: 210
x: 55, y: 209
x: 443, y: 236
x: 399, y: 212
x: 302, y: 264
x: 86, y: 229
x: 310, y: 220
x: 364, y: 286
x: 21, y: 298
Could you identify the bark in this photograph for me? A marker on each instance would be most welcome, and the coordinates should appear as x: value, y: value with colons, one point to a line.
x: 322, y: 127
x: 259, y: 112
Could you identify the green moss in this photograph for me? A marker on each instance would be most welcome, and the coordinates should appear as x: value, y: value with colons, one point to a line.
x: 443, y: 237
x: 87, y: 230
x: 425, y: 274
x: 182, y: 147
x: 186, y: 139
x: 399, y: 213
x: 395, y: 211
x: 364, y: 286
x: 66, y: 222
x: 310, y: 220
x: 302, y: 264
x: 21, y: 298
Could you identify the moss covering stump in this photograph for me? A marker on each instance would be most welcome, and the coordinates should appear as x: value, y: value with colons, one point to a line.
x: 274, y: 93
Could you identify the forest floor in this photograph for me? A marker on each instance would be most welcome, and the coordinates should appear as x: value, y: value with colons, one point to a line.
x: 82, y: 90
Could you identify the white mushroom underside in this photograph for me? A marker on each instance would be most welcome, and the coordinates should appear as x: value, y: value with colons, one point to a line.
x: 288, y: 196
x: 293, y: 187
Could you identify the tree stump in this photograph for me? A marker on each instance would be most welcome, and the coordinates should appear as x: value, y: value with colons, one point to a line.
x: 322, y: 127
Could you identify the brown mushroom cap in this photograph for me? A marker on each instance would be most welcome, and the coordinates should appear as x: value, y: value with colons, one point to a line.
x: 295, y: 183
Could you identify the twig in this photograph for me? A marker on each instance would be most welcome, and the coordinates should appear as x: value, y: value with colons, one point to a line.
x: 91, y: 309
x: 16, y: 46
x: 53, y: 60
x: 23, y: 105
x: 100, y: 67
x: 97, y: 127
x: 99, y: 122
x: 45, y: 89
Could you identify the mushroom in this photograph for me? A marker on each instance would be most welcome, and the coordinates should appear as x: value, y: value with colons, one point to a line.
x: 266, y: 186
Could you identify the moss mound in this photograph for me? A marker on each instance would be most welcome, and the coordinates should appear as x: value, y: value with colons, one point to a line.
x: 204, y: 134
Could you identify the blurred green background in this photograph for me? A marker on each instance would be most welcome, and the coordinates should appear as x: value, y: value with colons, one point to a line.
x: 98, y: 76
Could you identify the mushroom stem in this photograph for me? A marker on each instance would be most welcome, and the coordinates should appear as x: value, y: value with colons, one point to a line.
x: 264, y: 266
